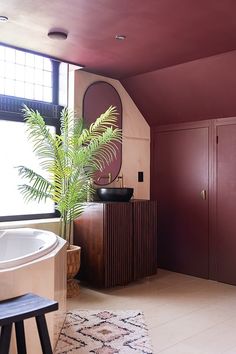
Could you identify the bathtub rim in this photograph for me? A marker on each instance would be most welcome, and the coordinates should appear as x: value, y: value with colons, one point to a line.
x: 33, y: 256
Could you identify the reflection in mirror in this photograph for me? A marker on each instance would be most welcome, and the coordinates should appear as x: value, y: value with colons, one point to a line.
x: 98, y: 97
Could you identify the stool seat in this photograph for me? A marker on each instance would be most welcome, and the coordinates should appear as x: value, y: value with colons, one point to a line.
x: 22, y: 307
x: 18, y: 309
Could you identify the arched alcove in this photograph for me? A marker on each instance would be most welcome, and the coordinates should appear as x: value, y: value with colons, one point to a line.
x: 98, y: 97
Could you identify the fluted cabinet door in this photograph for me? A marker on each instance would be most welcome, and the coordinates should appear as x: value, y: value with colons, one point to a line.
x: 118, y: 252
x: 104, y: 232
x: 88, y: 234
x: 145, y: 238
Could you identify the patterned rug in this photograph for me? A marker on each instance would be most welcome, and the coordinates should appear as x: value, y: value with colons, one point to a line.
x: 104, y: 332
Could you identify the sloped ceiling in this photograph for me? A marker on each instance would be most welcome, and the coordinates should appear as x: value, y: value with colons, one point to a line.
x: 196, y: 90
x: 160, y: 33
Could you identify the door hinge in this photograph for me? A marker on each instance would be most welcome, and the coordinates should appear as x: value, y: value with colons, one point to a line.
x: 217, y: 139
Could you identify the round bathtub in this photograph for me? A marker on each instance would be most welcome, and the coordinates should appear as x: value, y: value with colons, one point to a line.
x: 20, y: 246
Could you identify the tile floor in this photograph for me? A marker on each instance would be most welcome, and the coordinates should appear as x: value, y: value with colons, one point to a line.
x: 185, y: 315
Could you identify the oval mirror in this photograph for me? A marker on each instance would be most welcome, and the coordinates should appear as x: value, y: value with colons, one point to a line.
x: 98, y: 97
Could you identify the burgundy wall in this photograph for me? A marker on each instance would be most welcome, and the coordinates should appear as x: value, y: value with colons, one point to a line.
x: 201, y: 89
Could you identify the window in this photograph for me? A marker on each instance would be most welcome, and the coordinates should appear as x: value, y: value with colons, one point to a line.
x: 25, y: 75
x: 34, y: 80
x: 19, y: 152
x: 63, y: 80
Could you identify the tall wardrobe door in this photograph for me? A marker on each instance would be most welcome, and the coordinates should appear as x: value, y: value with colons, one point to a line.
x: 181, y: 188
x: 226, y: 203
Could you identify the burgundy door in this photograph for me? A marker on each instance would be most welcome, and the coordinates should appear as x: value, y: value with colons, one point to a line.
x: 181, y: 187
x: 226, y: 203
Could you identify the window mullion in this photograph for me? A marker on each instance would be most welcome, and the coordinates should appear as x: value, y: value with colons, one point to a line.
x: 55, y: 80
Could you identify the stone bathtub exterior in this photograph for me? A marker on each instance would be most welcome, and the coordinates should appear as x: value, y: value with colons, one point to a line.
x: 45, y: 276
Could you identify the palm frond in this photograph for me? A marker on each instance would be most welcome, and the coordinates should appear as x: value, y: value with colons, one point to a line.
x: 45, y: 145
x: 32, y: 176
x: 102, y: 149
x: 109, y: 118
x: 39, y: 187
x: 77, y: 210
x: 102, y: 123
x: 31, y: 193
x: 37, y: 130
x: 70, y: 159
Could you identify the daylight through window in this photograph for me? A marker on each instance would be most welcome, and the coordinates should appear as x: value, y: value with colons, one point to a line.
x: 41, y: 84
x: 25, y: 75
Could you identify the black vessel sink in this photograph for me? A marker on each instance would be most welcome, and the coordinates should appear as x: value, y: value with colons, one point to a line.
x: 115, y: 194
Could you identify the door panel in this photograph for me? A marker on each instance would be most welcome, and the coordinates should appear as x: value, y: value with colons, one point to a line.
x: 181, y: 174
x: 226, y: 203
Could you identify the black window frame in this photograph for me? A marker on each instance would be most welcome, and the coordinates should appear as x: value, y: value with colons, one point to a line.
x: 11, y: 110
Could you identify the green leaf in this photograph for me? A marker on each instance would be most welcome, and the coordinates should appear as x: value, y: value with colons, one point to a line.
x: 70, y: 159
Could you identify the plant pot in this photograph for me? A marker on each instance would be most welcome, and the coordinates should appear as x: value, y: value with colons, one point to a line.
x: 73, y: 266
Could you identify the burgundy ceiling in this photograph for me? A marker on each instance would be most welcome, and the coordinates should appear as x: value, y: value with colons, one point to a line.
x: 197, y: 90
x: 160, y: 33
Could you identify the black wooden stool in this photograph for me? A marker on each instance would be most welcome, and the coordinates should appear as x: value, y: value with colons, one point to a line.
x: 18, y: 309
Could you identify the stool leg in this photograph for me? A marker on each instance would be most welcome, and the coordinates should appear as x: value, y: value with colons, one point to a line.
x: 43, y: 334
x: 20, y: 337
x: 5, y: 339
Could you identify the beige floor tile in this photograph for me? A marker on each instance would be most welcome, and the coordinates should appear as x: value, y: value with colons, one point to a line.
x: 187, y: 326
x: 185, y: 315
x: 230, y: 351
x: 215, y: 340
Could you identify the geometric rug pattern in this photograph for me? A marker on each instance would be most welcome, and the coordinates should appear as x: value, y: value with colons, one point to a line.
x: 104, y: 332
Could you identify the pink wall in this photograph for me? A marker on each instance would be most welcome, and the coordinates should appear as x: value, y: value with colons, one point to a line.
x: 201, y: 89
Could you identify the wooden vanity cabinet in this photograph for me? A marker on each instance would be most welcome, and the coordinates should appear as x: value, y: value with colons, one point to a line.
x: 118, y: 242
x: 104, y: 232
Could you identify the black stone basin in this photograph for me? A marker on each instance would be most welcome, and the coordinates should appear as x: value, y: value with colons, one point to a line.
x: 115, y: 194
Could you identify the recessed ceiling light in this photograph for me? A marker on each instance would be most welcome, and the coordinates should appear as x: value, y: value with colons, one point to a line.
x: 3, y: 18
x: 120, y: 37
x: 58, y: 35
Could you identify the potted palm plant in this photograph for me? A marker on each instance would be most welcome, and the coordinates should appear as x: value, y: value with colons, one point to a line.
x: 70, y: 160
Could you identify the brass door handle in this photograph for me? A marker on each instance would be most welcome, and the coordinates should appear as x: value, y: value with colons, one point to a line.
x: 203, y: 194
